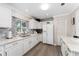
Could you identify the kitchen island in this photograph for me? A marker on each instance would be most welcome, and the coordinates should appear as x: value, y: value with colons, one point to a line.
x: 69, y: 46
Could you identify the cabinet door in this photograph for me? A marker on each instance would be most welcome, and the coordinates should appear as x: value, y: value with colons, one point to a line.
x: 20, y: 48
x: 64, y: 49
x: 14, y: 49
x: 5, y: 17
x: 39, y: 25
x: 2, y: 49
x: 32, y: 41
x: 39, y: 37
x: 26, y: 45
x: 36, y: 24
x: 33, y: 24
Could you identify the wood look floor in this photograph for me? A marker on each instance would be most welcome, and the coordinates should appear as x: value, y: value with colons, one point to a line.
x: 44, y: 50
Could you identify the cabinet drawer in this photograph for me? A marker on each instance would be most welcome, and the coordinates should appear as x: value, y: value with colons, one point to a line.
x: 11, y: 44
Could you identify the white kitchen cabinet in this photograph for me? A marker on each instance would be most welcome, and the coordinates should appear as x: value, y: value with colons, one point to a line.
x: 33, y: 24
x: 39, y: 25
x: 63, y: 48
x: 66, y: 51
x: 14, y: 49
x: 19, y: 47
x: 5, y: 17
x: 33, y: 41
x: 29, y: 43
x: 26, y: 45
x: 2, y: 49
x: 40, y: 37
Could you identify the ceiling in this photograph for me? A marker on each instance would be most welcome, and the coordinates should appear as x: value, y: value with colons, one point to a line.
x: 33, y: 9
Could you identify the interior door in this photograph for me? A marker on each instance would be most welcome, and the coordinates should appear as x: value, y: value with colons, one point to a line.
x: 49, y: 33
x: 44, y: 32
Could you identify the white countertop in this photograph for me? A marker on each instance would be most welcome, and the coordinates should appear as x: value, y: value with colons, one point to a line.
x: 4, y: 41
x: 72, y: 43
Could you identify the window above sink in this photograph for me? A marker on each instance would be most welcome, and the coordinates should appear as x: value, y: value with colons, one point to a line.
x: 20, y: 26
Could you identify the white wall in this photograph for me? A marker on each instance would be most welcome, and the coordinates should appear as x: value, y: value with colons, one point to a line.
x: 75, y: 14
x: 62, y: 27
x: 16, y: 12
x: 20, y: 15
x: 76, y: 27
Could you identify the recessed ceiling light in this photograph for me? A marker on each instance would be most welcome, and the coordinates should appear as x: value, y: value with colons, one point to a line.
x: 46, y: 14
x: 26, y: 10
x: 44, y: 6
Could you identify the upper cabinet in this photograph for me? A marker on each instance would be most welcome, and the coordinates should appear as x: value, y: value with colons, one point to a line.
x: 33, y: 24
x: 5, y: 17
x: 39, y: 25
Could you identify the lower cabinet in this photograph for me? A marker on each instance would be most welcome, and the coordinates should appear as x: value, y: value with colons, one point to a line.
x: 65, y: 50
x: 14, y: 49
x: 40, y: 37
x: 32, y: 42
x: 26, y: 45
x: 68, y: 52
x: 18, y: 48
x: 2, y: 51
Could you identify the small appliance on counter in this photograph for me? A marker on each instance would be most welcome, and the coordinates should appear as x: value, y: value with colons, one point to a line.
x: 39, y: 31
x: 9, y: 34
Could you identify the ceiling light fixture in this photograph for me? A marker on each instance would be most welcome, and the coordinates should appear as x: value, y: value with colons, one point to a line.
x: 44, y: 6
x: 46, y: 14
x: 26, y: 10
x: 62, y: 4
